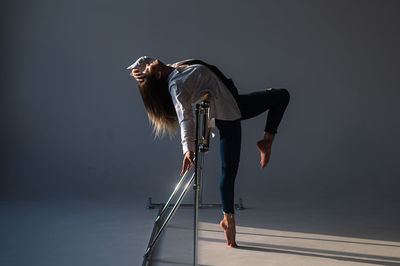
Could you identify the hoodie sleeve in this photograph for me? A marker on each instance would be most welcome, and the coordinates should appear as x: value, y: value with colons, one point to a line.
x: 182, y: 102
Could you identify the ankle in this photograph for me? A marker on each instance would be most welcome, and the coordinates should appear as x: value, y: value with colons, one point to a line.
x: 229, y: 219
x: 229, y: 216
x: 268, y: 138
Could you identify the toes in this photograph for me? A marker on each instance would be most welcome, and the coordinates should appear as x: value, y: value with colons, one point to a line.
x: 233, y: 245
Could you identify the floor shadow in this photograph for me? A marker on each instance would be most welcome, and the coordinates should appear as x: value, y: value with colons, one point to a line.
x: 378, y: 222
x: 175, y: 262
x: 305, y: 238
x: 337, y: 255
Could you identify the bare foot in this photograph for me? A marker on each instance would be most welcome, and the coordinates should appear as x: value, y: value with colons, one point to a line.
x: 230, y: 233
x: 265, y: 152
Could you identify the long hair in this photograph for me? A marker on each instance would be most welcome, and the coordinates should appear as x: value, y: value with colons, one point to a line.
x: 159, y: 106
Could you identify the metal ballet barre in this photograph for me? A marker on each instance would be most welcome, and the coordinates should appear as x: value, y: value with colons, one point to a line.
x: 202, y: 144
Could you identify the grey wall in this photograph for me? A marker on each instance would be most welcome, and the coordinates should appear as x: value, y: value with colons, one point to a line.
x: 73, y: 124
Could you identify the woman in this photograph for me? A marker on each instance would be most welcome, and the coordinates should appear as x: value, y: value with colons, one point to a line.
x: 168, y: 93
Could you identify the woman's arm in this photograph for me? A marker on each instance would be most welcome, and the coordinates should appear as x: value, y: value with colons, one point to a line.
x: 183, y: 105
x: 182, y: 101
x: 187, y: 161
x: 187, y: 126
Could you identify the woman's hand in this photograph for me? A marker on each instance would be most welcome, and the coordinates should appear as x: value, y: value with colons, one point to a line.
x: 137, y: 74
x: 187, y: 161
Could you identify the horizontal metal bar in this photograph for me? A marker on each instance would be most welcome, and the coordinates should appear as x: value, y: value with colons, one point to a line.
x: 201, y: 205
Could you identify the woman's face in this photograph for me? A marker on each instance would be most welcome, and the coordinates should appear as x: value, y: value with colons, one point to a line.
x: 153, y: 68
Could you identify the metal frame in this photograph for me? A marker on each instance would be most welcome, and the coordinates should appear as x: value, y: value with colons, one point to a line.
x: 153, y: 205
x: 202, y: 146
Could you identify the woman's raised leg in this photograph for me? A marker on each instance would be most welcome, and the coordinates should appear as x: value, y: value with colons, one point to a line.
x: 255, y: 103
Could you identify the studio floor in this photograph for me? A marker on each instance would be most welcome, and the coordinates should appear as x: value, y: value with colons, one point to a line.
x: 88, y: 232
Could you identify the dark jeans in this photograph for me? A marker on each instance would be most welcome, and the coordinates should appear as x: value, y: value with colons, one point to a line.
x: 251, y: 105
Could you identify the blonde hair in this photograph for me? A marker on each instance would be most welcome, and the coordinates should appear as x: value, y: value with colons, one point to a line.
x: 159, y: 106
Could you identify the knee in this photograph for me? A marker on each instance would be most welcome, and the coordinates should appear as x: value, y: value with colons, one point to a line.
x: 285, y: 96
x: 282, y: 97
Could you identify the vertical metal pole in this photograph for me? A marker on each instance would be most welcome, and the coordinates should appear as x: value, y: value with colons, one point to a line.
x: 201, y: 180
x: 196, y: 187
x: 196, y: 223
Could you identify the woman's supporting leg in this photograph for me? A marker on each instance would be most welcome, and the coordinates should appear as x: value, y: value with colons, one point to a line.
x: 255, y: 103
x: 230, y: 142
